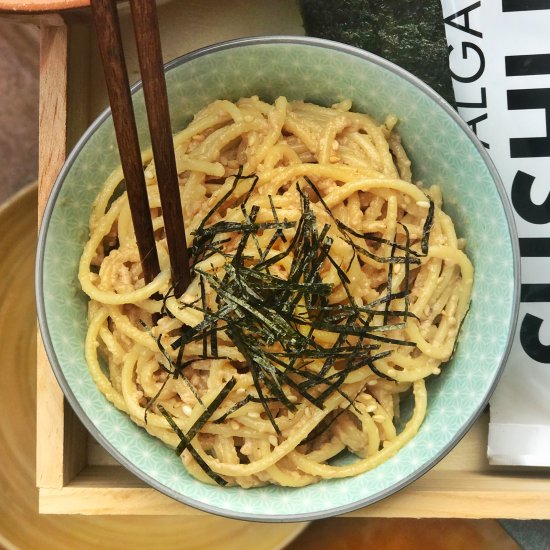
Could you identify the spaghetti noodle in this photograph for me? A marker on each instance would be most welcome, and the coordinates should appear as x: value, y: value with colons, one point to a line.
x: 326, y: 286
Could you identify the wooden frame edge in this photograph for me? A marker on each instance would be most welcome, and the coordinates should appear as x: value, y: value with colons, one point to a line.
x: 420, y: 503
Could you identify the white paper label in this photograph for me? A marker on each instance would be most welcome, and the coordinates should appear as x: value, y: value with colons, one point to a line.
x: 499, y: 55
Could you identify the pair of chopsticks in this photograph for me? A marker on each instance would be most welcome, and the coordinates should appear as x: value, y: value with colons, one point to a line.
x: 146, y: 30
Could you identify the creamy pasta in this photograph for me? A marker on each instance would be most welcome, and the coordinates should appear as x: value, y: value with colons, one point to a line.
x: 326, y: 287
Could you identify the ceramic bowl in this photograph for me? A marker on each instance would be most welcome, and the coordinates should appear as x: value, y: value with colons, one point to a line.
x: 443, y: 151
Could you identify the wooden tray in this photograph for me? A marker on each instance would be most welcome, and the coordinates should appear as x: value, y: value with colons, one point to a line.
x: 74, y: 474
x: 21, y: 526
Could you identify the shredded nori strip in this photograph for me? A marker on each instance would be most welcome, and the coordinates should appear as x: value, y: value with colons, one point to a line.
x: 207, y: 470
x: 407, y: 272
x: 248, y: 399
x: 323, y: 426
x: 380, y: 373
x: 264, y: 314
x: 390, y: 282
x: 205, y: 416
x: 176, y: 371
x: 458, y: 332
x: 153, y: 399
x: 427, y: 227
x: 206, y: 311
x: 164, y: 309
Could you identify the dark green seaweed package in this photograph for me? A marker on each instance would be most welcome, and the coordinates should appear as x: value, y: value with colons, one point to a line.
x: 409, y: 33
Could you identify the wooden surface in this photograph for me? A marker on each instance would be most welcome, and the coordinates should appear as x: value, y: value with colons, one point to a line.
x: 463, y: 485
x: 21, y: 526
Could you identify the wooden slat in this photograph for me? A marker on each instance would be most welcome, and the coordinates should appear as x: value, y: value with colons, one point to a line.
x: 52, y: 143
x: 448, y: 495
x: 61, y: 438
x: 52, y: 106
x: 49, y: 424
x: 461, y: 485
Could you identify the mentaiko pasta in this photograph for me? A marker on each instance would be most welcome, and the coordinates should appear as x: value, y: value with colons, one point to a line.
x: 326, y: 286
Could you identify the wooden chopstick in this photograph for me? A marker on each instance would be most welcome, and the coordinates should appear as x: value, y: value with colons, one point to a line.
x: 107, y: 28
x: 146, y: 29
x: 156, y: 100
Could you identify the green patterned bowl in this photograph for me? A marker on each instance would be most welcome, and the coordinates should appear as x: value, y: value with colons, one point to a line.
x: 443, y: 151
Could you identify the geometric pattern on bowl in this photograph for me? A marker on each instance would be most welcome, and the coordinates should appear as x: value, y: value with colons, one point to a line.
x: 443, y: 152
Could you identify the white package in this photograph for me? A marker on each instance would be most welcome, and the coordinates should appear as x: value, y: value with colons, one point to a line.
x: 499, y: 55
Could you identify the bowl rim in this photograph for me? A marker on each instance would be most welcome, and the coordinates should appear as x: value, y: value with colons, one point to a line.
x: 58, y: 371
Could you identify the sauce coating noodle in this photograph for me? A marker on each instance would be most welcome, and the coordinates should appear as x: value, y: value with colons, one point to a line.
x: 395, y: 252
